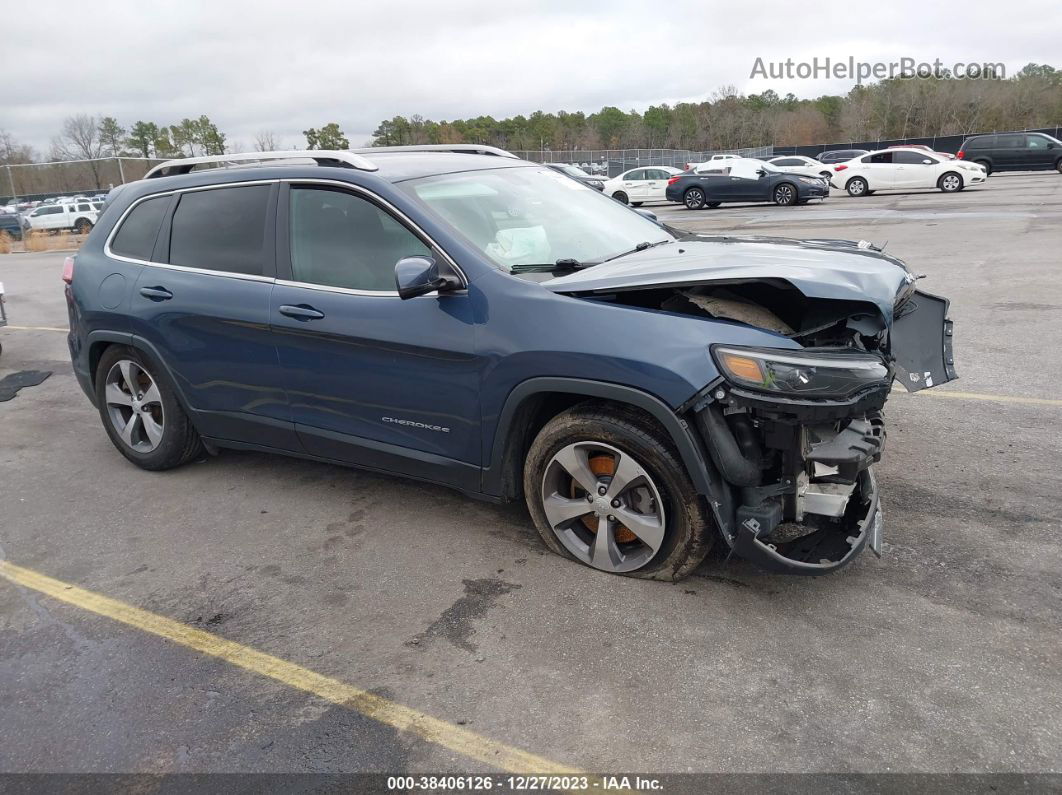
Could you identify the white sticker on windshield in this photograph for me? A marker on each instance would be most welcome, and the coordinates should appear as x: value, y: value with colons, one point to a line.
x: 568, y: 182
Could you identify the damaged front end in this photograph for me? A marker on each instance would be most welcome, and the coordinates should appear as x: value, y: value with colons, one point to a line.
x: 796, y: 445
x: 793, y: 423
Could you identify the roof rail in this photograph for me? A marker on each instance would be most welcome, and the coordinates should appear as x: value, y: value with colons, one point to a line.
x: 465, y: 149
x: 323, y: 157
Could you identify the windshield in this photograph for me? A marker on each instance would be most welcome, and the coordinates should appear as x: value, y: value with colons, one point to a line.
x: 574, y: 171
x: 534, y: 216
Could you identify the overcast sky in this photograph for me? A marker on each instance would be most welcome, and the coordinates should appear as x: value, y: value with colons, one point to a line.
x: 285, y: 66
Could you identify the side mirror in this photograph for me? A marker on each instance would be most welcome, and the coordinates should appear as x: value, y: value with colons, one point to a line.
x: 761, y: 172
x: 649, y: 214
x: 1052, y: 145
x: 421, y: 275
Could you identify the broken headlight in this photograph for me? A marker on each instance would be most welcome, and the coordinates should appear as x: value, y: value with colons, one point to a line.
x: 818, y: 374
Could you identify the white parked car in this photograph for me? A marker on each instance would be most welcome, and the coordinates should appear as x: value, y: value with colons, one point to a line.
x: 711, y: 164
x: 79, y: 216
x: 641, y: 184
x: 904, y: 169
x: 798, y: 164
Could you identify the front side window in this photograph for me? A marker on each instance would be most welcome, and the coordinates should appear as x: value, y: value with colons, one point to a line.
x: 339, y: 239
x: 533, y: 216
x: 136, y: 236
x: 1035, y: 142
x: 912, y: 158
x: 222, y: 229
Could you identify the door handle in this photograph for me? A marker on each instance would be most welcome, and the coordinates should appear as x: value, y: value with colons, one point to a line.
x: 301, y: 312
x: 156, y: 293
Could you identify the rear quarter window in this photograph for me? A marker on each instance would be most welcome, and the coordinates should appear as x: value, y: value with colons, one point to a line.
x: 136, y: 236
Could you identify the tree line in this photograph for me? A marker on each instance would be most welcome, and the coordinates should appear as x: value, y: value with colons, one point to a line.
x: 892, y: 109
x: 898, y: 108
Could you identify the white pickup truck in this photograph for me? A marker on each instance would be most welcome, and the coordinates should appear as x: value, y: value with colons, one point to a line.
x: 80, y: 216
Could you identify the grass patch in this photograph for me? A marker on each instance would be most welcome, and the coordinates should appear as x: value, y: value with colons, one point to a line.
x: 41, y: 240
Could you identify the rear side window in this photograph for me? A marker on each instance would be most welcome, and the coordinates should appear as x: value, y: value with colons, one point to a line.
x: 1010, y: 141
x: 984, y: 142
x: 136, y: 236
x: 341, y: 240
x: 880, y: 157
x: 222, y: 229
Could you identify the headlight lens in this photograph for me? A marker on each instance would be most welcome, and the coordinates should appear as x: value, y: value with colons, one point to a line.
x: 823, y: 374
x: 810, y: 180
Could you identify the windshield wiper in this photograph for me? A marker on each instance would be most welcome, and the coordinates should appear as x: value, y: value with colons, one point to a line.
x: 563, y: 264
x: 640, y: 247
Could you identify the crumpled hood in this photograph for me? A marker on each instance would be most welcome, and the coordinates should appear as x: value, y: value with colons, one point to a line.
x: 833, y: 269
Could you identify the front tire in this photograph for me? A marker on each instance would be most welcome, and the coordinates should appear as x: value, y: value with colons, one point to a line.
x: 785, y: 195
x: 1058, y: 165
x: 856, y: 186
x: 605, y: 487
x: 621, y: 197
x: 950, y: 182
x: 694, y: 198
x: 141, y: 412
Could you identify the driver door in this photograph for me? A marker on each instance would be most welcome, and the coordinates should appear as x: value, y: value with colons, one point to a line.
x: 371, y: 379
x: 914, y: 169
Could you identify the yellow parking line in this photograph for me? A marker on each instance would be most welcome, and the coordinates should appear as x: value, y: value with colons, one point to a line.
x: 38, y: 328
x: 1029, y: 401
x: 465, y: 742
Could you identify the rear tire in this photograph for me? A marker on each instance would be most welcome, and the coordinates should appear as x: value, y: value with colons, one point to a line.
x: 621, y: 197
x: 856, y: 186
x: 129, y: 384
x: 712, y: 205
x: 662, y: 504
x: 1058, y: 165
x: 83, y: 226
x: 636, y: 204
x: 694, y: 198
x: 986, y: 165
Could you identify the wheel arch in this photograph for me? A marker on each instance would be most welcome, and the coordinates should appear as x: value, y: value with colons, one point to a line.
x: 100, y: 341
x: 532, y: 403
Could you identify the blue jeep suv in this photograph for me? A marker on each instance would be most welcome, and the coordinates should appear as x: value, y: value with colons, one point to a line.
x: 459, y: 316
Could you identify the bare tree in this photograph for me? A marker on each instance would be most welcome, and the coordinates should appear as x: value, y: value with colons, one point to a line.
x: 80, y: 140
x: 266, y: 141
x: 12, y: 152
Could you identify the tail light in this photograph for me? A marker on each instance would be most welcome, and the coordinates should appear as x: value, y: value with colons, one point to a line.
x: 960, y: 155
x: 673, y: 180
x: 68, y: 270
x: 840, y: 167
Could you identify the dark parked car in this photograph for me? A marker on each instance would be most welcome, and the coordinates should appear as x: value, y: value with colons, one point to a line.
x: 471, y: 320
x: 11, y: 224
x: 1013, y: 152
x: 744, y: 180
x: 576, y: 173
x: 840, y: 155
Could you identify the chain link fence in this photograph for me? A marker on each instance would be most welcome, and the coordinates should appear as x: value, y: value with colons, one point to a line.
x: 613, y: 162
x: 38, y: 181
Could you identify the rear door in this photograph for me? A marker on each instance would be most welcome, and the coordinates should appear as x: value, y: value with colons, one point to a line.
x: 374, y: 380
x: 879, y: 170
x: 202, y: 305
x: 1010, y: 152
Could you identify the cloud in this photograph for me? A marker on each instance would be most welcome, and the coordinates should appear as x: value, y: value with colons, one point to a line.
x: 253, y: 66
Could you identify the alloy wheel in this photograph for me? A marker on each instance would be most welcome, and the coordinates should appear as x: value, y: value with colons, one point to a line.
x: 694, y: 199
x: 783, y: 195
x: 134, y: 405
x: 603, y: 506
